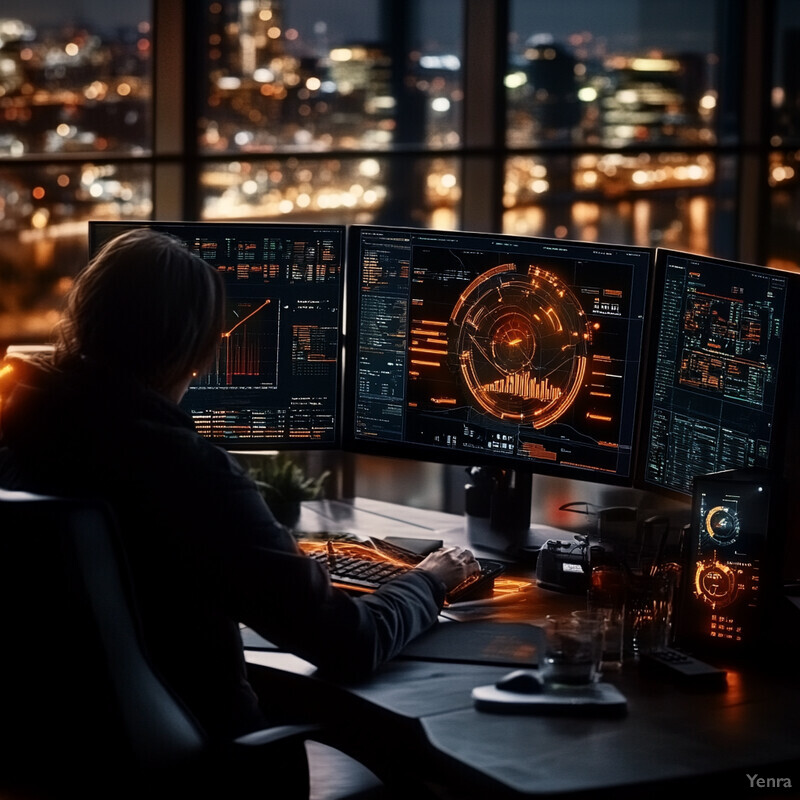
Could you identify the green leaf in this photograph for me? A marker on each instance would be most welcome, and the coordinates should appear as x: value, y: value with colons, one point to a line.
x: 279, y: 479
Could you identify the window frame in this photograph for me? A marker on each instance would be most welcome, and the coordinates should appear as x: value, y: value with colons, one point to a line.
x: 484, y: 152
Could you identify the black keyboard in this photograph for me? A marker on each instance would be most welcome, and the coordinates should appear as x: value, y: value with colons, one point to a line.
x: 362, y: 567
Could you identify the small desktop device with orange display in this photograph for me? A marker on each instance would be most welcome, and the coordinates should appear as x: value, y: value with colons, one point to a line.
x: 729, y: 568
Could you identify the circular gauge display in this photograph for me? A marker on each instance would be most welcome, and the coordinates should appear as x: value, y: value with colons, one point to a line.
x: 722, y: 525
x: 715, y: 583
x: 520, y: 341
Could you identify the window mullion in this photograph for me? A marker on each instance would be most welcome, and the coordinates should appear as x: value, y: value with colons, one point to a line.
x: 169, y: 97
x: 485, y: 56
x: 753, y: 202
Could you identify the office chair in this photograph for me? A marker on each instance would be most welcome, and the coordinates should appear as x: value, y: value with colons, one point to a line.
x: 81, y: 707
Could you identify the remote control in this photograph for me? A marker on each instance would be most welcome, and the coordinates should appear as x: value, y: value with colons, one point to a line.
x: 684, y: 668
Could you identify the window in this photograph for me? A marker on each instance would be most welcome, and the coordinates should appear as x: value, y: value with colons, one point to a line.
x: 331, y: 91
x: 784, y: 160
x: 612, y: 109
x: 610, y: 121
x: 76, y: 109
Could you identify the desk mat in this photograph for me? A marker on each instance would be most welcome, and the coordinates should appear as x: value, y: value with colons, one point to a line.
x: 252, y: 641
x: 510, y: 644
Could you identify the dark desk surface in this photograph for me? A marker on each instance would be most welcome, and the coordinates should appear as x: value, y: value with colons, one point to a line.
x: 671, y: 738
x: 714, y: 739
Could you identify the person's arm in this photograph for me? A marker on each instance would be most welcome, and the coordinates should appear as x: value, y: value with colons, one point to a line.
x: 288, y: 599
x: 266, y: 583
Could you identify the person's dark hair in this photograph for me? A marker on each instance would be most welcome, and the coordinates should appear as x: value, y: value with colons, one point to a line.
x: 145, y: 306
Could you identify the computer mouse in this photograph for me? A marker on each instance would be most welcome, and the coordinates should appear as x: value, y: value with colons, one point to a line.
x: 520, y: 681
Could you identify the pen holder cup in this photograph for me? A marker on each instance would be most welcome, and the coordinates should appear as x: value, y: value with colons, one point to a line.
x: 649, y: 611
x: 607, y: 596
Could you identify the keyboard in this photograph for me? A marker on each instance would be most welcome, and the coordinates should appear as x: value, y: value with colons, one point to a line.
x: 364, y: 566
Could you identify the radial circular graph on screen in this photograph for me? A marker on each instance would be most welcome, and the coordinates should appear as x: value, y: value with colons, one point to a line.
x: 722, y: 525
x: 520, y: 341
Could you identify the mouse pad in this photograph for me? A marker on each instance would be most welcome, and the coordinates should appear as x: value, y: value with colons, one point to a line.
x: 253, y: 641
x: 507, y: 643
x: 594, y: 699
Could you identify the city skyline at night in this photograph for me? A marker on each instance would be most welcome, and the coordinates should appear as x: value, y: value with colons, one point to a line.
x: 590, y: 96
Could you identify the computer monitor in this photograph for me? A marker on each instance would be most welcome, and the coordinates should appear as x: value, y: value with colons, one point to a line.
x: 275, y: 383
x: 485, y: 349
x: 718, y: 347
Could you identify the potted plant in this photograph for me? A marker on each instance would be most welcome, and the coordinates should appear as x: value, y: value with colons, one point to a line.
x: 284, y: 485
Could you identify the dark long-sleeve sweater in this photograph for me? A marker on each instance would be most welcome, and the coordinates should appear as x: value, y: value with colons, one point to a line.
x: 205, y: 551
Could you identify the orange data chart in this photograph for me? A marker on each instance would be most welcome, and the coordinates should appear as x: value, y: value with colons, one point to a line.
x: 471, y: 347
x: 275, y: 377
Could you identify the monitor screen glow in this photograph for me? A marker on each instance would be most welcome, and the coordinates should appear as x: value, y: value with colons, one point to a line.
x: 713, y: 399
x: 487, y: 349
x: 275, y: 382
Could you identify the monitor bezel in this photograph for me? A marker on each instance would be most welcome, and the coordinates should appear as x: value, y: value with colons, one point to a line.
x: 784, y: 391
x: 95, y: 228
x: 428, y: 453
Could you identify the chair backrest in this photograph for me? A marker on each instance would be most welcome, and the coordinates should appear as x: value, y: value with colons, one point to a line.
x: 76, y: 687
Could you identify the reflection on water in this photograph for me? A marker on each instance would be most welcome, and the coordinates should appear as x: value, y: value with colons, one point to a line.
x: 683, y: 223
x: 35, y: 274
x: 34, y: 278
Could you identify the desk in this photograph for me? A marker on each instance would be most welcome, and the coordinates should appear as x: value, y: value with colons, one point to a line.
x: 671, y: 739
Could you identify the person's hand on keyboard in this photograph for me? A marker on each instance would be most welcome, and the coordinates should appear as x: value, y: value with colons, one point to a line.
x: 452, y: 565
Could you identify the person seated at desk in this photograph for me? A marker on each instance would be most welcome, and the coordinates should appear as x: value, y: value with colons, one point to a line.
x: 100, y: 417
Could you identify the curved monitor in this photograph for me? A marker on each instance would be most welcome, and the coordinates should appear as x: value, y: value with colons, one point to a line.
x: 713, y: 399
x: 486, y: 349
x: 276, y: 379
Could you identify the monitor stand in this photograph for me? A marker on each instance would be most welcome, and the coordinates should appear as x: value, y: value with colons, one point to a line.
x: 497, y: 505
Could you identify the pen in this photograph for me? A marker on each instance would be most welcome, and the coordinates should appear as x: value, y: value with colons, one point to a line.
x: 497, y: 600
x: 331, y: 554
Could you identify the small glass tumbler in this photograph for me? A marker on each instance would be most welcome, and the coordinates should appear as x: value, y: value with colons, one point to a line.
x: 612, y: 624
x: 572, y: 650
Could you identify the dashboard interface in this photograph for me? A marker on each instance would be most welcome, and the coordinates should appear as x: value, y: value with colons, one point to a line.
x: 730, y: 560
x: 275, y: 379
x: 477, y: 347
x: 719, y: 330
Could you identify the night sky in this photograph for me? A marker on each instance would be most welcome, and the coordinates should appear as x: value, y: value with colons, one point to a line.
x: 637, y: 23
